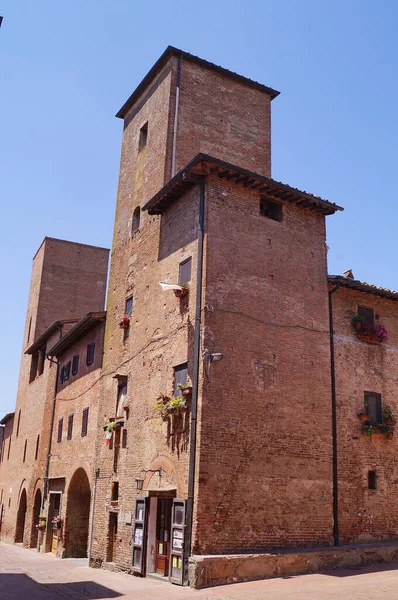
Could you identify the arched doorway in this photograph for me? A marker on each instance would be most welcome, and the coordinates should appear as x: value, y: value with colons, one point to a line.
x: 77, y: 515
x: 21, y: 515
x: 34, y: 534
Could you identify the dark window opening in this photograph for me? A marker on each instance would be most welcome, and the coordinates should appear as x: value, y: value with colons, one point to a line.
x: 124, y: 438
x: 136, y: 220
x: 84, y: 421
x: 9, y: 449
x: 75, y: 364
x: 19, y: 420
x: 143, y: 136
x: 37, y: 447
x: 373, y: 404
x: 116, y: 448
x: 40, y: 361
x: 128, y: 306
x: 371, y: 480
x: 70, y: 427
x: 29, y: 328
x: 185, y: 271
x: 180, y: 377
x: 24, y: 451
x: 270, y: 209
x: 115, y: 491
x: 90, y: 354
x: 60, y: 428
x: 33, y: 367
x: 368, y: 315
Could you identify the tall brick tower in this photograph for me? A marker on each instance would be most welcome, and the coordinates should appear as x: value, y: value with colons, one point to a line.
x: 196, y: 206
x: 68, y: 280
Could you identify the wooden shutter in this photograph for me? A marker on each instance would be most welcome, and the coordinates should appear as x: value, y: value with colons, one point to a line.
x: 139, y: 535
x: 75, y: 364
x: 180, y: 377
x: 84, y: 421
x: 90, y: 354
x: 178, y: 518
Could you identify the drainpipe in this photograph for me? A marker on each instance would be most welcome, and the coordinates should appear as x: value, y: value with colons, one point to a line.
x: 195, y: 383
x: 173, y: 153
x: 47, y: 471
x: 334, y: 423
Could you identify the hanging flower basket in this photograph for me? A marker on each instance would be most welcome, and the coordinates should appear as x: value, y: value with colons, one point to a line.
x: 125, y: 322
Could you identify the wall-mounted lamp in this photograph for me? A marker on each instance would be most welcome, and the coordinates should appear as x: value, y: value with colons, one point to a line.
x: 216, y: 356
x: 140, y: 482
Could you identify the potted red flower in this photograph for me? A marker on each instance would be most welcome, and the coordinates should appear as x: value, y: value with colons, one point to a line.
x: 125, y: 322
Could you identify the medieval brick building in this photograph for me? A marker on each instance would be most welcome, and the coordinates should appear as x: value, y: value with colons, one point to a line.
x: 223, y: 404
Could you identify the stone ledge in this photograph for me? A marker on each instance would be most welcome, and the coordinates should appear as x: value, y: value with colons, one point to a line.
x: 212, y: 570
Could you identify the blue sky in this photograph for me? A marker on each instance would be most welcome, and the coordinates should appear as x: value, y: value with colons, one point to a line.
x: 67, y: 67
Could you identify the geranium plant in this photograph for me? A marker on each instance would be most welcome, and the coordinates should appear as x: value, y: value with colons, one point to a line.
x: 369, y: 333
x: 125, y: 322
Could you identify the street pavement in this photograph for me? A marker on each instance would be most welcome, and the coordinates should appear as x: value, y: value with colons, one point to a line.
x: 27, y: 575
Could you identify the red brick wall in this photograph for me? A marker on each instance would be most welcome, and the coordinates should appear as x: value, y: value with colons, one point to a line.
x: 265, y: 475
x: 365, y: 514
x: 68, y: 280
x: 223, y: 118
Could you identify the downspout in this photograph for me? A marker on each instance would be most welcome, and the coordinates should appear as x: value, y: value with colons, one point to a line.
x: 334, y: 423
x: 195, y: 383
x: 47, y: 471
x: 173, y: 152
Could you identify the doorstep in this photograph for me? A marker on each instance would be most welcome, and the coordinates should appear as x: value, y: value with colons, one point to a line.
x: 212, y: 570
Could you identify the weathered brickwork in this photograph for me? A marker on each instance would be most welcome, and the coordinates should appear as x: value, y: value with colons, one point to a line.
x: 68, y: 280
x: 365, y: 514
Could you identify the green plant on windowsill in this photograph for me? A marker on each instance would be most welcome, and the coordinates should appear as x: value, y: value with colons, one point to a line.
x: 388, y: 415
x: 367, y: 429
x: 168, y: 406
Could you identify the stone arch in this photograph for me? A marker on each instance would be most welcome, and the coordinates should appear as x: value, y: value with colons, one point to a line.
x: 77, y: 515
x: 21, y: 517
x: 34, y: 534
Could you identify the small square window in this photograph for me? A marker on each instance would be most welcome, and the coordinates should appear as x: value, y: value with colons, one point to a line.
x: 368, y: 315
x: 90, y: 354
x: 143, y: 136
x: 185, y: 271
x: 75, y: 364
x: 270, y: 209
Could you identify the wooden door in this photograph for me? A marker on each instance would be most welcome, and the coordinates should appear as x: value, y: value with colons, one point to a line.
x: 55, y: 507
x: 163, y: 530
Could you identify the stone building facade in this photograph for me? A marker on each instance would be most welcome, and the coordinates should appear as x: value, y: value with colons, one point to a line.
x: 229, y: 371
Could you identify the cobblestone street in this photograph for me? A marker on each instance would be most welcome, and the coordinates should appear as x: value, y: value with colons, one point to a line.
x: 25, y: 574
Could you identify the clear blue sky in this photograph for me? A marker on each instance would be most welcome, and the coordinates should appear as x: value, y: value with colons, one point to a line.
x: 67, y: 67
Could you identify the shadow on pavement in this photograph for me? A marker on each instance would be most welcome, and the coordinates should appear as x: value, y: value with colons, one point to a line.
x: 350, y: 572
x: 18, y: 586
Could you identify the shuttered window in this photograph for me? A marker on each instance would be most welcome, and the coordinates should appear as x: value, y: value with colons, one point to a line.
x: 60, y: 428
x: 84, y: 421
x: 70, y: 427
x: 90, y: 354
x: 75, y: 364
x: 373, y: 404
x: 180, y: 377
x: 368, y: 315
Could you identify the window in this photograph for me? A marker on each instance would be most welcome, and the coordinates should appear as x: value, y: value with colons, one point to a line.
x: 180, y: 377
x: 128, y: 306
x: 185, y: 271
x: 270, y: 209
x: 65, y: 372
x: 33, y: 367
x: 29, y: 328
x: 40, y: 361
x: 136, y: 220
x: 90, y: 354
x: 18, y: 422
x: 9, y: 449
x: 70, y: 427
x: 60, y: 428
x: 143, y: 136
x: 24, y: 451
x: 371, y: 480
x: 373, y: 404
x: 368, y: 315
x: 84, y: 421
x: 37, y: 447
x: 115, y: 491
x: 121, y: 396
x: 75, y: 364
